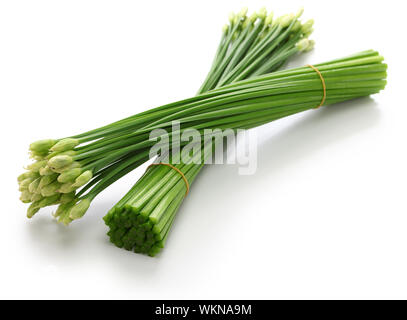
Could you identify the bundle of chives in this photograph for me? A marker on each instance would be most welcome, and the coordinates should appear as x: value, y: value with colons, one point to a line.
x: 141, y: 220
x: 91, y: 161
x: 146, y: 230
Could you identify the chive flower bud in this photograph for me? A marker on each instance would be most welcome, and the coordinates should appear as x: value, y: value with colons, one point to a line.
x: 299, y: 13
x: 33, y: 186
x: 253, y: 17
x: 302, y: 45
x: 36, y: 166
x: 63, y: 209
x: 73, y: 165
x: 46, y: 180
x: 83, y: 179
x: 296, y: 27
x: 55, y: 153
x: 225, y: 28
x: 232, y: 17
x: 79, y: 209
x: 269, y: 18
x: 67, y: 197
x: 36, y: 197
x: 62, y: 213
x: 262, y: 13
x: 28, y: 174
x: 50, y: 189
x: 48, y: 201
x: 65, y: 145
x: 69, y: 175
x: 58, y: 162
x: 41, y: 146
x: 66, y: 188
x: 306, y: 35
x: 32, y: 210
x: 286, y: 20
x: 242, y: 12
x: 26, y: 196
x: 307, y: 26
x: 25, y: 183
x: 46, y: 171
x: 60, y: 210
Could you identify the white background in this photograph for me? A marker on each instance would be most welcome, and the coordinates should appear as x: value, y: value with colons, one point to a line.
x: 324, y: 216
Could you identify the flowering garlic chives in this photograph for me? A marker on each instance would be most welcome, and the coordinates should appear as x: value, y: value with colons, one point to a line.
x: 81, y: 166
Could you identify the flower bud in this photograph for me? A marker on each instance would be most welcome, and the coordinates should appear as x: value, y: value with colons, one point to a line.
x: 60, y: 210
x: 41, y: 146
x: 299, y: 13
x: 46, y: 180
x: 66, y: 188
x: 302, y: 45
x: 34, y: 185
x: 83, y: 179
x: 28, y: 174
x: 62, y: 213
x: 58, y: 162
x: 51, y: 189
x: 242, y: 12
x: 36, y: 166
x: 262, y: 13
x: 57, y: 153
x: 307, y: 26
x: 23, y: 185
x: 253, y: 17
x: 269, y: 19
x: 79, y: 209
x: 73, y: 165
x: 46, y: 171
x: 225, y: 28
x: 67, y: 197
x: 26, y: 196
x: 296, y: 27
x: 232, y: 17
x: 65, y: 145
x: 65, y: 219
x: 36, y: 156
x: 36, y: 197
x: 49, y: 201
x: 32, y: 210
x: 286, y: 20
x: 69, y: 175
x: 307, y: 34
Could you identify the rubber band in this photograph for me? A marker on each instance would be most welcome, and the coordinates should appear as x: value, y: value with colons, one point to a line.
x: 176, y: 169
x: 323, y: 84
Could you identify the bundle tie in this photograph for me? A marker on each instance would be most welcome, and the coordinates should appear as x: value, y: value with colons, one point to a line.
x: 323, y: 84
x: 176, y: 169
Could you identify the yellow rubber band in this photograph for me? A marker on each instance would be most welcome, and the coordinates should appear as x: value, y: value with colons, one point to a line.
x: 176, y: 169
x: 323, y: 84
